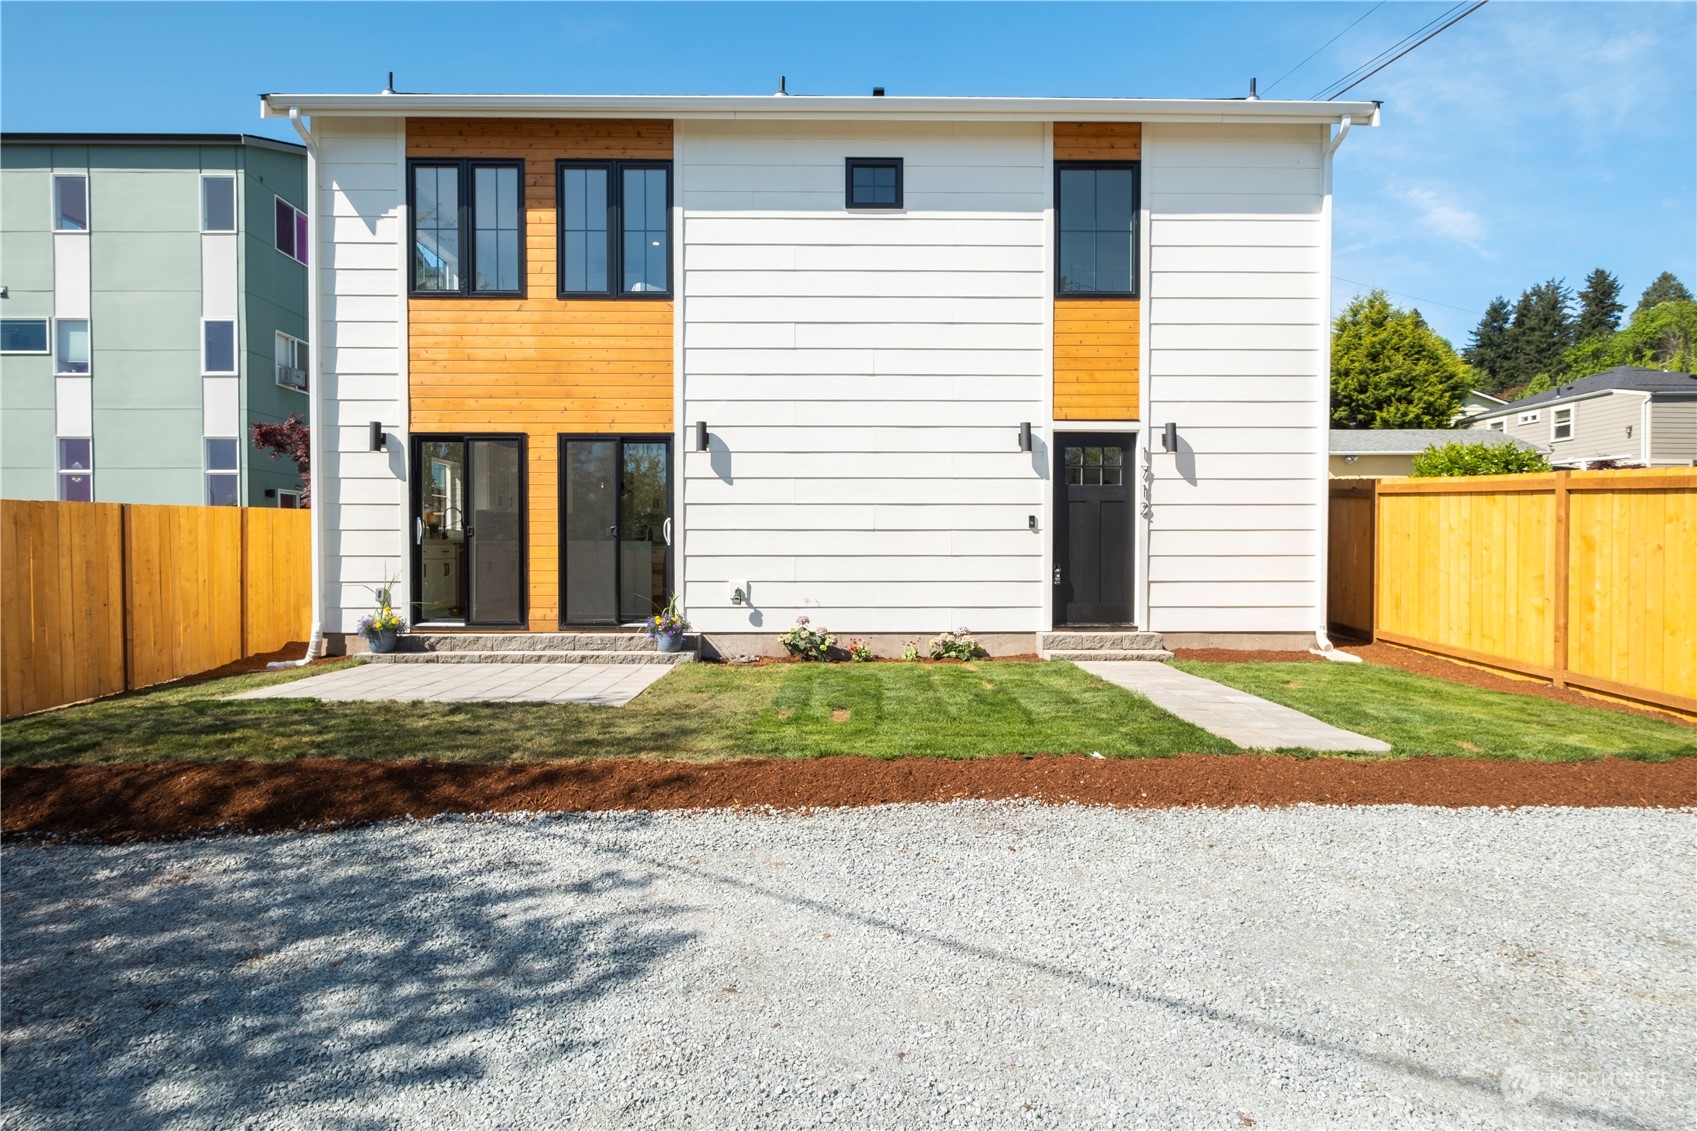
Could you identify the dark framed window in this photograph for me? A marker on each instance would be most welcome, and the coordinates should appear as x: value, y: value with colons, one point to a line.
x: 467, y: 227
x: 1096, y: 228
x: 292, y: 238
x: 615, y: 221
x: 217, y: 203
x: 872, y: 182
x: 23, y: 335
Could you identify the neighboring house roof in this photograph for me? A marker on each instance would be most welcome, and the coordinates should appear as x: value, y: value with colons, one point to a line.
x: 1624, y: 378
x: 14, y: 138
x: 1412, y: 441
x: 1476, y: 395
x: 815, y: 106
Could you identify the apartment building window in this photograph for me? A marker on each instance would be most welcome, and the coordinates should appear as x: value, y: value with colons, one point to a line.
x: 615, y: 220
x: 1561, y: 424
x: 218, y: 347
x: 70, y: 356
x: 291, y: 231
x: 23, y: 335
x: 289, y: 500
x: 293, y: 362
x: 222, y: 473
x: 1096, y: 249
x: 70, y: 204
x: 467, y: 227
x: 873, y: 182
x: 76, y: 470
x: 217, y: 204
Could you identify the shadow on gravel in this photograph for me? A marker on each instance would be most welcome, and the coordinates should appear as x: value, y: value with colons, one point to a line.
x: 168, y: 992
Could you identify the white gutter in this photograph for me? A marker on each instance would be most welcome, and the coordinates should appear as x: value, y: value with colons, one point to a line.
x: 314, y: 399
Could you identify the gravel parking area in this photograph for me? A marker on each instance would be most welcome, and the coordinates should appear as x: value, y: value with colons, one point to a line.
x: 973, y: 964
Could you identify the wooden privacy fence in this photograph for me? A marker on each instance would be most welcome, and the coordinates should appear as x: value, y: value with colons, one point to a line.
x: 100, y: 598
x: 1586, y: 579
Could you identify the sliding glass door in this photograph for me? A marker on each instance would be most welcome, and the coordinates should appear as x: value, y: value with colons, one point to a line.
x: 615, y: 528
x: 469, y: 530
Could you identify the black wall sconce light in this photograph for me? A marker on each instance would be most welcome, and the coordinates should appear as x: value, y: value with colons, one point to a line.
x: 700, y: 435
x: 1169, y: 437
x: 1025, y: 436
x: 379, y: 441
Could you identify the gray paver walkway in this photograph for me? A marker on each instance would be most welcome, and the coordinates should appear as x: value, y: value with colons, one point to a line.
x: 610, y: 685
x: 1248, y: 720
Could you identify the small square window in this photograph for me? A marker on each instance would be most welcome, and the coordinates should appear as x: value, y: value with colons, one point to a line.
x: 873, y: 182
x: 221, y: 490
x: 71, y: 357
x: 1498, y: 426
x: 70, y: 204
x: 219, y: 347
x: 289, y: 500
x: 76, y: 455
x: 23, y: 335
x: 1526, y: 418
x: 218, y: 204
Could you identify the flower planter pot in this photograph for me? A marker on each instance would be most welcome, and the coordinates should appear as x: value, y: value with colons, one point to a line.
x: 383, y: 641
x: 669, y: 643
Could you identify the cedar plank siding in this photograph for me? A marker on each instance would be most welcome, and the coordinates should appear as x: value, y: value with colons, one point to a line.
x: 540, y: 365
x: 1096, y: 340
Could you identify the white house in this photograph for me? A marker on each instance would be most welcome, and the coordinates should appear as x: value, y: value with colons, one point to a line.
x: 898, y: 365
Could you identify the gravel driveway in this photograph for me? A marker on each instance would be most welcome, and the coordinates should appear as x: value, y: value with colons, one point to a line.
x: 975, y: 964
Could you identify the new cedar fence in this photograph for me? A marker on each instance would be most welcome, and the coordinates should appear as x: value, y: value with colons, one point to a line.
x: 106, y: 597
x: 1587, y: 579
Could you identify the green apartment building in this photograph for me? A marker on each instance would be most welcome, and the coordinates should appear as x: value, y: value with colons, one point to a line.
x: 153, y: 305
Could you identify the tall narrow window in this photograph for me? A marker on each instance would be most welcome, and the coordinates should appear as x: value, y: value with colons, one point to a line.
x: 615, y: 228
x: 467, y: 227
x: 218, y: 351
x: 1561, y: 424
x: 70, y: 204
x: 1096, y: 253
x: 76, y: 471
x: 291, y: 230
x: 71, y: 355
x: 217, y: 204
x: 222, y: 473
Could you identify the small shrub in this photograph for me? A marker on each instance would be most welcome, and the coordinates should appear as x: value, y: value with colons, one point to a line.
x: 1477, y: 459
x: 807, y: 642
x: 954, y: 646
x: 859, y: 651
x: 911, y: 651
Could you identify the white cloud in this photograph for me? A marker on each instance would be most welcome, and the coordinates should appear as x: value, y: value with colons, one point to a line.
x: 1441, y: 214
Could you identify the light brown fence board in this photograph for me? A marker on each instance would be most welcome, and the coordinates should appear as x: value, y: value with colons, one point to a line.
x: 1582, y: 578
x: 1349, y: 565
x: 102, y: 597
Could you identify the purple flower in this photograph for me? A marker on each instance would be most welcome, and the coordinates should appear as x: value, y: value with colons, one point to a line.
x: 801, y: 620
x: 964, y: 631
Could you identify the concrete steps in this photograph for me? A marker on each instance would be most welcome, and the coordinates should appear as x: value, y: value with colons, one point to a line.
x: 532, y: 648
x: 1109, y: 645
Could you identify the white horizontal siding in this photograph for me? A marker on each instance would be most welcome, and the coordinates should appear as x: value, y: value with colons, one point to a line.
x: 864, y: 376
x: 1236, y: 331
x: 360, y: 208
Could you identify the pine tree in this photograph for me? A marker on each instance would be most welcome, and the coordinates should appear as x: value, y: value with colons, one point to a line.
x: 1599, y: 306
x: 1665, y: 288
x: 1391, y: 370
x: 1542, y: 332
x: 1489, y: 350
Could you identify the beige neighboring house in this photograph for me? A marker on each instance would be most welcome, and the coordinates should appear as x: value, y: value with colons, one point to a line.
x: 1476, y: 403
x: 1643, y: 417
x: 1384, y: 453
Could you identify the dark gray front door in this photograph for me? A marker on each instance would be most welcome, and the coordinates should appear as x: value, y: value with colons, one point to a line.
x: 1093, y: 512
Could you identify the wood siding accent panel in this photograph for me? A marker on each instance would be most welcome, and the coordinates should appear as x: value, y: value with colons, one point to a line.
x: 1097, y: 343
x: 1098, y: 141
x: 541, y: 365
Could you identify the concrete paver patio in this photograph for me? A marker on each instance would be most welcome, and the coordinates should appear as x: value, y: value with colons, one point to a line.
x: 1248, y: 720
x: 609, y: 685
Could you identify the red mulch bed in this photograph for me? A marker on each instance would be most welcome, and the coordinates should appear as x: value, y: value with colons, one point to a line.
x: 166, y: 800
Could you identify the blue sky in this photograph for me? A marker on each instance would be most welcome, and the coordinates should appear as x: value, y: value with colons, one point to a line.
x: 1528, y: 141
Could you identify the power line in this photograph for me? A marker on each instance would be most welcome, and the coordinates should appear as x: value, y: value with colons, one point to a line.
x: 1326, y: 44
x: 1355, y: 78
x: 1415, y: 298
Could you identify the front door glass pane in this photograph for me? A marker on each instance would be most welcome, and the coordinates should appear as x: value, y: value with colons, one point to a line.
x: 642, y: 529
x: 590, y: 530
x: 442, y: 542
x: 495, y: 525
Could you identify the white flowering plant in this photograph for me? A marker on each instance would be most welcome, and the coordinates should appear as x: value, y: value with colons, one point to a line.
x: 954, y: 645
x: 805, y: 642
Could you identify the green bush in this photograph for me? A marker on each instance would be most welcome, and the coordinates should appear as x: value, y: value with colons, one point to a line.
x: 1476, y: 459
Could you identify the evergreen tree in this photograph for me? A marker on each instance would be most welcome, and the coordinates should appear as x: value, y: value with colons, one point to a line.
x: 1489, y: 351
x: 1599, y: 306
x: 1541, y: 333
x: 1665, y: 288
x: 1391, y: 370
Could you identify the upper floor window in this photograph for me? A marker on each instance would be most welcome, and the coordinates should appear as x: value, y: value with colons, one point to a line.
x: 1498, y: 426
x: 70, y: 204
x: 291, y: 231
x: 873, y: 182
x: 1561, y: 424
x: 615, y: 228
x: 1527, y: 418
x: 293, y: 362
x: 218, y: 346
x: 467, y: 227
x: 23, y: 335
x: 1096, y: 206
x: 217, y: 204
x: 71, y: 356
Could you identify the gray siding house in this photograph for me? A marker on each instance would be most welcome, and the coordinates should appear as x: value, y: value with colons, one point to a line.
x: 154, y: 306
x: 1643, y: 417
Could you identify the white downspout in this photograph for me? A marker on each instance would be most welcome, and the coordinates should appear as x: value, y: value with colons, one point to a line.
x: 314, y: 409
x: 1323, y: 642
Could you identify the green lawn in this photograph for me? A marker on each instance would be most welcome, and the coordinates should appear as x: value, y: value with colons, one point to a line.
x: 697, y: 712
x: 1417, y: 714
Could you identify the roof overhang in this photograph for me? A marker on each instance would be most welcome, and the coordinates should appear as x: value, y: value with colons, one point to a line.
x: 783, y: 106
